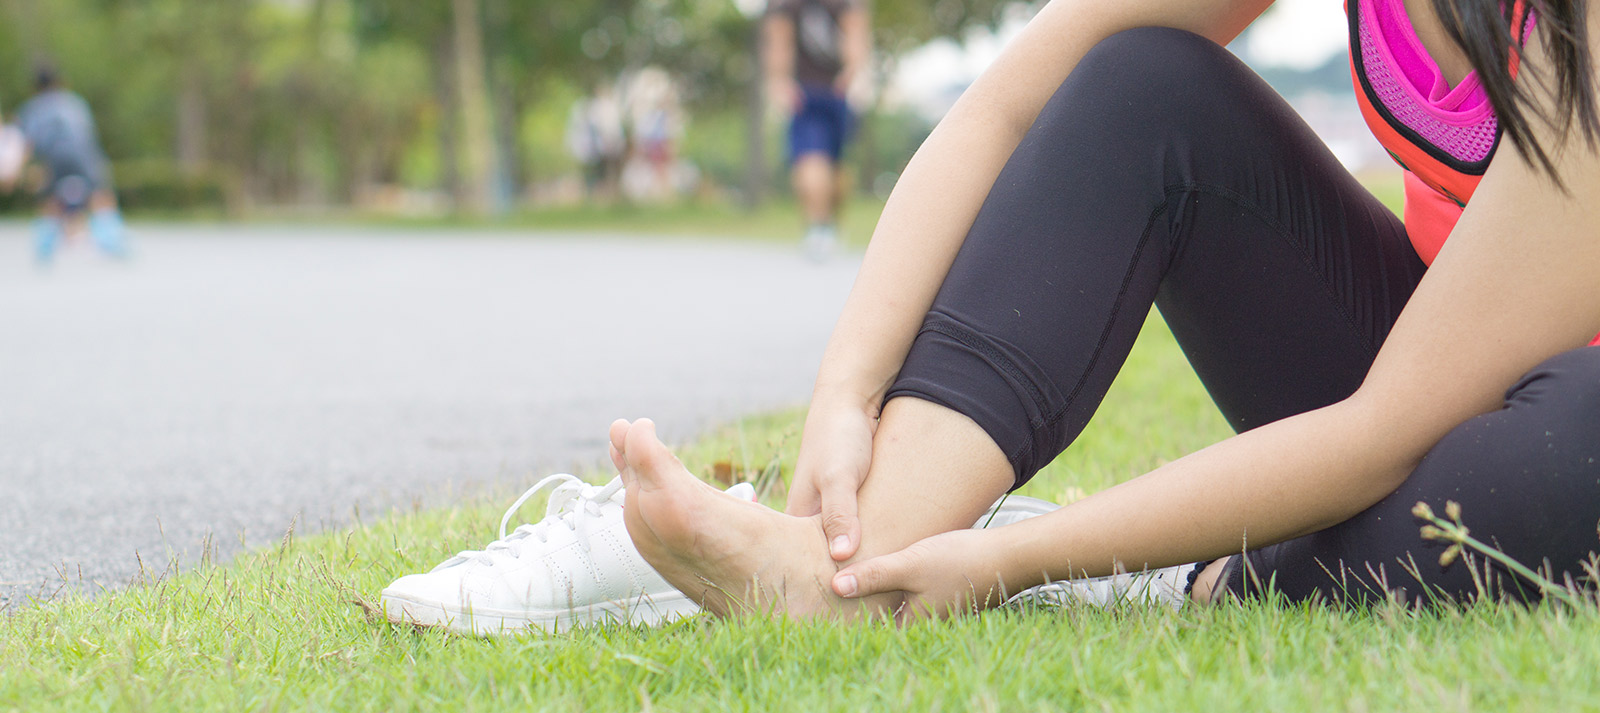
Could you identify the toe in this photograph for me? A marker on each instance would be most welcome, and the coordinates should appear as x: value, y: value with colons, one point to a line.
x: 633, y: 518
x: 617, y: 459
x: 619, y: 434
x: 651, y: 460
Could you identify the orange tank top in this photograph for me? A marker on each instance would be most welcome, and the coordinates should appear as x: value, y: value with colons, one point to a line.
x: 1443, y: 136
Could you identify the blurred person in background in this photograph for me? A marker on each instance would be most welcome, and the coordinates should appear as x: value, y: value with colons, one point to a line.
x: 59, y: 132
x: 596, y: 139
x: 813, y: 50
x: 656, y: 122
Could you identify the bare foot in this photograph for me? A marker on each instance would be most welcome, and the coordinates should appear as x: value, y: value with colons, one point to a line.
x: 729, y: 555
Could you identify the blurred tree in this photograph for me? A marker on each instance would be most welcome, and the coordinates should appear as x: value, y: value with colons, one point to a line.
x: 429, y: 25
x: 900, y: 26
x: 473, y: 94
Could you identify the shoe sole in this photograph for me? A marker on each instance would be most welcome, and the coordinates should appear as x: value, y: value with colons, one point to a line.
x: 654, y: 610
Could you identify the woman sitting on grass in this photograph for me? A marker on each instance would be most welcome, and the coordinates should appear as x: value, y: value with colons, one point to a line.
x: 1116, y: 156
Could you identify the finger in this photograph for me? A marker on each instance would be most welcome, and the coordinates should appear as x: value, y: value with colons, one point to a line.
x: 839, y: 521
x: 804, y: 500
x: 887, y: 573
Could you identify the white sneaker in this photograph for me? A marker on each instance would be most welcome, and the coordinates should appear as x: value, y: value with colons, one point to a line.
x: 575, y: 567
x: 1161, y: 586
x: 820, y: 242
x: 1011, y: 508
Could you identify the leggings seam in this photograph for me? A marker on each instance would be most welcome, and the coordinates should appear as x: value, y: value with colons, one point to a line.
x: 1111, y: 319
x: 1283, y: 233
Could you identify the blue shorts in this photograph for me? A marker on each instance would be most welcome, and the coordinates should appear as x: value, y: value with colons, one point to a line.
x: 74, y: 180
x: 822, y: 125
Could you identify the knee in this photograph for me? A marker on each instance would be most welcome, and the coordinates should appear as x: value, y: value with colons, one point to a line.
x: 1143, y: 44
x: 1149, y: 77
x: 1159, y: 60
x: 1568, y: 382
x: 1548, y: 423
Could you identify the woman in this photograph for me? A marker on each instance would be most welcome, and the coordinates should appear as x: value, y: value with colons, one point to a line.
x: 1114, y: 157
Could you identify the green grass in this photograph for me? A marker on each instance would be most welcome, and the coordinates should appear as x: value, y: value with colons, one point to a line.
x: 278, y: 629
x: 774, y: 221
x: 1389, y: 186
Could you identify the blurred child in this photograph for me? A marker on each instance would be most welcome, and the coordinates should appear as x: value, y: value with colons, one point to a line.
x: 59, y: 133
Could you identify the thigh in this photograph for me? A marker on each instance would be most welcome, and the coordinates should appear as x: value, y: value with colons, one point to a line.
x: 1527, y: 478
x: 1163, y: 171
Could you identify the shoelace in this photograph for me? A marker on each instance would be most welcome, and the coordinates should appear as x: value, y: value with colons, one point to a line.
x: 573, y: 504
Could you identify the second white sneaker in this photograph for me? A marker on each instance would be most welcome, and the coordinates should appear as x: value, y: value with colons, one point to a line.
x: 1157, y: 587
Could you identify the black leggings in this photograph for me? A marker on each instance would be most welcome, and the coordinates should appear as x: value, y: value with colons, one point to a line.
x: 1164, y: 171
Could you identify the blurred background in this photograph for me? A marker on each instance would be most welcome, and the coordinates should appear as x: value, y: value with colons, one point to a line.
x: 531, y: 111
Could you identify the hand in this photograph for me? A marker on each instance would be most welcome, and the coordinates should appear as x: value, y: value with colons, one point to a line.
x: 942, y: 576
x: 835, y: 453
x: 843, y: 82
x: 784, y: 96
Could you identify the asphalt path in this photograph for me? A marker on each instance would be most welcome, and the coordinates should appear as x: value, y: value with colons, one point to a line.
x: 233, y: 380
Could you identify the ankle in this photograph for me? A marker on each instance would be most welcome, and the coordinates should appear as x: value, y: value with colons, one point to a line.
x: 1208, y: 585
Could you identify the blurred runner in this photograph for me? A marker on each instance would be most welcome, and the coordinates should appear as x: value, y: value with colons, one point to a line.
x: 59, y: 132
x: 814, y: 49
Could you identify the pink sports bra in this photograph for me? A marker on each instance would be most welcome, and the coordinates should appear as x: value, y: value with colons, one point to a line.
x: 1443, y: 136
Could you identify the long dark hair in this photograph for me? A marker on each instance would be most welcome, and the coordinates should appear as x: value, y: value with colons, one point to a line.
x: 1483, y: 29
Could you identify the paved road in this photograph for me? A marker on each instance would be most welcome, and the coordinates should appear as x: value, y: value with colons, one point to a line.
x: 235, y: 379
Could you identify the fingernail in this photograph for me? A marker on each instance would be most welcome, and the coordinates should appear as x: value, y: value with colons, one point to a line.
x: 839, y: 545
x: 846, y: 584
